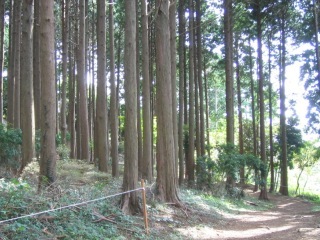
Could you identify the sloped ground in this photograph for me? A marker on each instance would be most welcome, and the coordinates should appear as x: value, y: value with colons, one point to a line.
x: 290, y: 218
x: 204, y: 216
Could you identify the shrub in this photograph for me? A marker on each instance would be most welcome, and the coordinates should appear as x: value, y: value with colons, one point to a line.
x: 10, y: 146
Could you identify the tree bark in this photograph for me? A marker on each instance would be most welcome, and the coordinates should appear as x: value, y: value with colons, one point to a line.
x: 48, y: 100
x: 2, y: 6
x: 190, y: 166
x: 283, y: 128
x: 10, y: 91
x: 272, y: 180
x: 27, y: 110
x: 182, y: 38
x: 113, y: 101
x: 36, y: 65
x: 264, y: 192
x: 81, y: 71
x: 101, y: 106
x: 173, y: 52
x: 147, y: 131
x: 199, y: 66
x: 130, y: 202
x: 241, y: 147
x: 17, y: 52
x: 166, y: 178
x: 228, y: 32
x: 65, y: 37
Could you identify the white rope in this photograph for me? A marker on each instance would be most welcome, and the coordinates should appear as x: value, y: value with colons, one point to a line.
x: 69, y: 206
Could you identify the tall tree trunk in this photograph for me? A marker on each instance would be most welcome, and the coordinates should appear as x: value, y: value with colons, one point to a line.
x: 228, y: 32
x: 36, y: 65
x: 173, y: 52
x: 207, y: 106
x: 72, y: 97
x: 190, y: 166
x: 264, y: 192
x: 140, y: 150
x: 2, y: 10
x: 253, y: 113
x: 130, y: 202
x: 92, y: 97
x: 241, y: 148
x: 101, y: 108
x: 166, y: 178
x: 17, y: 50
x: 283, y: 128
x: 27, y: 111
x: 82, y: 80
x: 147, y: 131
x: 182, y: 38
x: 10, y: 91
x: 199, y: 66
x: 113, y: 101
x: 65, y: 37
x: 316, y: 24
x: 272, y: 180
x: 48, y: 100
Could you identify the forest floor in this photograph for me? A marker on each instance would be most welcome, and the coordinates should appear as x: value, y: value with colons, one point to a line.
x: 286, y: 218
x: 204, y: 215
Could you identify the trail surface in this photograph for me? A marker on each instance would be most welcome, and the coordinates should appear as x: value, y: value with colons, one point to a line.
x: 290, y: 219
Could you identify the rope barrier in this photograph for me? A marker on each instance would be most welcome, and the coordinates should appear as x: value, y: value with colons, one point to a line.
x: 70, y: 206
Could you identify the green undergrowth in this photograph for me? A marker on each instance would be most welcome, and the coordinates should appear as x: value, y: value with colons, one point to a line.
x: 311, y: 197
x: 80, y: 182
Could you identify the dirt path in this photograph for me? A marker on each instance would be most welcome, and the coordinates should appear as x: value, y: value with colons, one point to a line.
x: 290, y: 219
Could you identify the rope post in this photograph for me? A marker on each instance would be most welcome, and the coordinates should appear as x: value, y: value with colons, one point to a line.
x: 145, y: 214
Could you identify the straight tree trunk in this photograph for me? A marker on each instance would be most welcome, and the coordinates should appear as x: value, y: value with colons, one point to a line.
x: 36, y: 65
x: 228, y: 32
x: 2, y: 6
x: 166, y: 178
x: 283, y: 128
x: 263, y: 155
x: 72, y: 97
x: 253, y: 113
x: 82, y: 80
x: 316, y: 25
x: 101, y: 109
x: 147, y: 131
x: 199, y: 66
x: 272, y: 180
x: 48, y: 100
x: 10, y: 91
x: 241, y: 148
x: 173, y: 52
x: 17, y: 50
x: 113, y: 100
x: 139, y: 128
x: 65, y: 37
x: 182, y: 38
x: 130, y: 202
x: 190, y: 166
x: 27, y: 111
x: 207, y: 106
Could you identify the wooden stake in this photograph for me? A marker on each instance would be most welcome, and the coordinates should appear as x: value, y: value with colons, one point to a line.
x: 145, y: 214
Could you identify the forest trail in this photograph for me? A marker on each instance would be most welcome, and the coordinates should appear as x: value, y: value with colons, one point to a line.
x: 290, y: 219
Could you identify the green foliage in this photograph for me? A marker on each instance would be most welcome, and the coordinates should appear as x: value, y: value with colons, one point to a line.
x: 229, y: 160
x: 11, y: 193
x: 205, y: 171
x: 63, y: 151
x: 294, y: 140
x: 10, y: 146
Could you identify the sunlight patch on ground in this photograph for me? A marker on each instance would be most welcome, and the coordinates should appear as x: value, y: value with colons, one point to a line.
x: 205, y: 232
